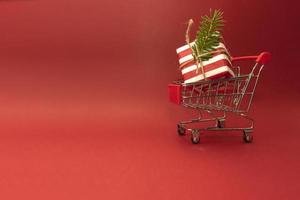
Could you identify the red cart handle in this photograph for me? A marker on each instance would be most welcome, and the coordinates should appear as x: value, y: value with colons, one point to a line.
x: 262, y: 58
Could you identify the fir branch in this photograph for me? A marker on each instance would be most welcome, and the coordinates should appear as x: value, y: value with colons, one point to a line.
x: 208, y: 35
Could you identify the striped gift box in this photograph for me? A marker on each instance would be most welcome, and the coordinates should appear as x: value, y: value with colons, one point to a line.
x: 216, y: 67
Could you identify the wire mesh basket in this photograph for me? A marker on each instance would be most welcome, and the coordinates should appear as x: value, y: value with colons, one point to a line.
x: 223, y: 95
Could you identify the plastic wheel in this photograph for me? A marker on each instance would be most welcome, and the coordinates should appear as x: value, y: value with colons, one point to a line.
x: 195, y: 138
x: 221, y: 123
x: 248, y: 138
x: 180, y: 130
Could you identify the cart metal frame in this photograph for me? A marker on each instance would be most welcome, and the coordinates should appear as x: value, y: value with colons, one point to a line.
x: 224, y: 95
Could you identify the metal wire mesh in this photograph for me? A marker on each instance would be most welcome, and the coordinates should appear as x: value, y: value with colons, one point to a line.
x: 225, y: 94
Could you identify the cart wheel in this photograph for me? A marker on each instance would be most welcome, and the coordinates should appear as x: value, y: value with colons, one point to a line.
x: 248, y: 138
x: 180, y: 130
x: 221, y: 123
x: 195, y: 138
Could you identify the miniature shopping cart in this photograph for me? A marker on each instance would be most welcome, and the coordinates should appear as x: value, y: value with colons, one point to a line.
x: 219, y: 96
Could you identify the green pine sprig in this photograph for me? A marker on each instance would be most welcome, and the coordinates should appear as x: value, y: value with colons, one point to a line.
x: 208, y: 35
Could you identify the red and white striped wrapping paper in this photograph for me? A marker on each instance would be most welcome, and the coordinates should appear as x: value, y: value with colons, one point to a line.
x: 216, y: 67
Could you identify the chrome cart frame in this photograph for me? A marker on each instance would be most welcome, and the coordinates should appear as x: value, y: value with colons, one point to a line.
x: 222, y: 95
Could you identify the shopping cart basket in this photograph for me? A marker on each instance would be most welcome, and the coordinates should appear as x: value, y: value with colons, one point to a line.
x: 219, y: 96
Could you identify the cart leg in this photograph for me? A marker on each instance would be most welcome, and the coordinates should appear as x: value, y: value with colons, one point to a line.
x: 220, y: 120
x: 180, y: 130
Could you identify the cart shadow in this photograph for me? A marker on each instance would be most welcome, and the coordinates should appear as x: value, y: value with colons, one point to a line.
x: 222, y: 141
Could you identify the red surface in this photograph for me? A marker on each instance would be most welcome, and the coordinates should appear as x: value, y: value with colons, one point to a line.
x: 85, y: 114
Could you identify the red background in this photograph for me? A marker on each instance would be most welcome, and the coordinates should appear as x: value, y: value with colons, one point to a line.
x: 84, y: 111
